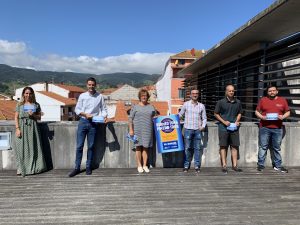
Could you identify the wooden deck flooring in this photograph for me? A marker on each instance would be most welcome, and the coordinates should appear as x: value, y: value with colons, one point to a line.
x: 165, y: 196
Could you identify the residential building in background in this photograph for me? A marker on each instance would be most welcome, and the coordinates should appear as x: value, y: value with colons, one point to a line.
x: 57, y: 101
x: 124, y: 92
x: 123, y: 109
x: 124, y: 95
x: 170, y: 86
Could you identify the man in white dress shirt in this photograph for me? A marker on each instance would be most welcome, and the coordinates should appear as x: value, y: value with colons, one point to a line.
x: 90, y: 103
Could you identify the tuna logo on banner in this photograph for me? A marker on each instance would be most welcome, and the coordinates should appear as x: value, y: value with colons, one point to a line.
x: 168, y: 134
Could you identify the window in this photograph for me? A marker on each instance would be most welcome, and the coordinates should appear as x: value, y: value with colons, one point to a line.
x: 181, y: 61
x: 181, y: 93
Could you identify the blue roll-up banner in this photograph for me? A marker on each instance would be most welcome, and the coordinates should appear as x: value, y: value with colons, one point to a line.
x: 168, y: 134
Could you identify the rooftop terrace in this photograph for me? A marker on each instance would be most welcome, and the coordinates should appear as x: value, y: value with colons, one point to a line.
x: 165, y: 196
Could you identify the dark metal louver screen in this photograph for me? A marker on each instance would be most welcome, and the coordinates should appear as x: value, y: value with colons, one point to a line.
x: 277, y: 63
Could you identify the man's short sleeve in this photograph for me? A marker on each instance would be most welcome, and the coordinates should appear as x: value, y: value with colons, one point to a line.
x: 240, y: 108
x: 258, y: 107
x: 286, y: 105
x: 218, y: 107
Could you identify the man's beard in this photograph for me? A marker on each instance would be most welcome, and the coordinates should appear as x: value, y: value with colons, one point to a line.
x: 272, y: 97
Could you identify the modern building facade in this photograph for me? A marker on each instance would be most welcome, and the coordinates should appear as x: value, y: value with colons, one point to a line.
x: 266, y: 50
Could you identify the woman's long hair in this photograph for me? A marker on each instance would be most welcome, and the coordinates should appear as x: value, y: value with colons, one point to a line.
x: 31, y: 99
x: 143, y: 91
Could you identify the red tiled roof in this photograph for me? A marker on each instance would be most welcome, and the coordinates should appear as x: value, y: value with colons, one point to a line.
x: 188, y: 54
x: 66, y: 101
x: 121, y: 109
x: 71, y: 88
x: 7, y: 109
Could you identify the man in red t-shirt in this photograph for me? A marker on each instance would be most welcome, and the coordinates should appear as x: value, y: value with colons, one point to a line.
x: 271, y: 111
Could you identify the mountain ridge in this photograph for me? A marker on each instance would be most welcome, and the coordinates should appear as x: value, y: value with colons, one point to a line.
x: 15, y: 77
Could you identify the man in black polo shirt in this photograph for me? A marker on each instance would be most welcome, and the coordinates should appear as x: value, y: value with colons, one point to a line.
x: 228, y: 112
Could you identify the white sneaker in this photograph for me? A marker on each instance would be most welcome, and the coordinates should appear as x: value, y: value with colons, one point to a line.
x: 140, y: 169
x: 280, y: 169
x: 146, y: 169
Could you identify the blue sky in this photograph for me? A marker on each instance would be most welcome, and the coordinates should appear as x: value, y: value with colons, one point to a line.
x: 115, y: 35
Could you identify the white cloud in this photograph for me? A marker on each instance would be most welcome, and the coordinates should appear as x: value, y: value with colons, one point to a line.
x: 7, y: 47
x: 16, y: 54
x: 30, y: 68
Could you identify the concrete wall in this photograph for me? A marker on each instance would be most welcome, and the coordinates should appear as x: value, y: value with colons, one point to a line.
x: 114, y: 151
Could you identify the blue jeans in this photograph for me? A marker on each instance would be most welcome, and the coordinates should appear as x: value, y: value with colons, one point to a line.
x: 89, y: 129
x: 265, y: 136
x: 193, y: 137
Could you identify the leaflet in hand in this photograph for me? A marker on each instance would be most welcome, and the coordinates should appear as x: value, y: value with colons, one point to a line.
x: 232, y: 127
x: 29, y: 107
x: 133, y: 138
x: 98, y: 119
x: 272, y: 116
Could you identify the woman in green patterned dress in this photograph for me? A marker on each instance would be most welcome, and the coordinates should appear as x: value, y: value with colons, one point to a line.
x: 29, y: 154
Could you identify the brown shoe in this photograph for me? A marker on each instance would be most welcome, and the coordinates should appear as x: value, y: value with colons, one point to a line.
x: 224, y: 170
x: 236, y: 169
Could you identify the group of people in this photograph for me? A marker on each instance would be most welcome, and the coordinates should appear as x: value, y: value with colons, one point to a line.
x: 228, y: 111
x: 29, y: 154
x: 271, y: 110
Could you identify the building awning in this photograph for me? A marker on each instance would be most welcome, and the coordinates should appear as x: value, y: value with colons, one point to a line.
x: 276, y: 22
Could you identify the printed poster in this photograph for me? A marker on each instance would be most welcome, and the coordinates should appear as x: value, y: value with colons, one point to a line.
x: 168, y: 134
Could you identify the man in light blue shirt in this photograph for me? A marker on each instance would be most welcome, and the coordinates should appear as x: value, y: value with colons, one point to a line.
x: 90, y: 104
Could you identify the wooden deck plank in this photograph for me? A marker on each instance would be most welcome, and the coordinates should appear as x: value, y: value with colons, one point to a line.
x: 165, y: 196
